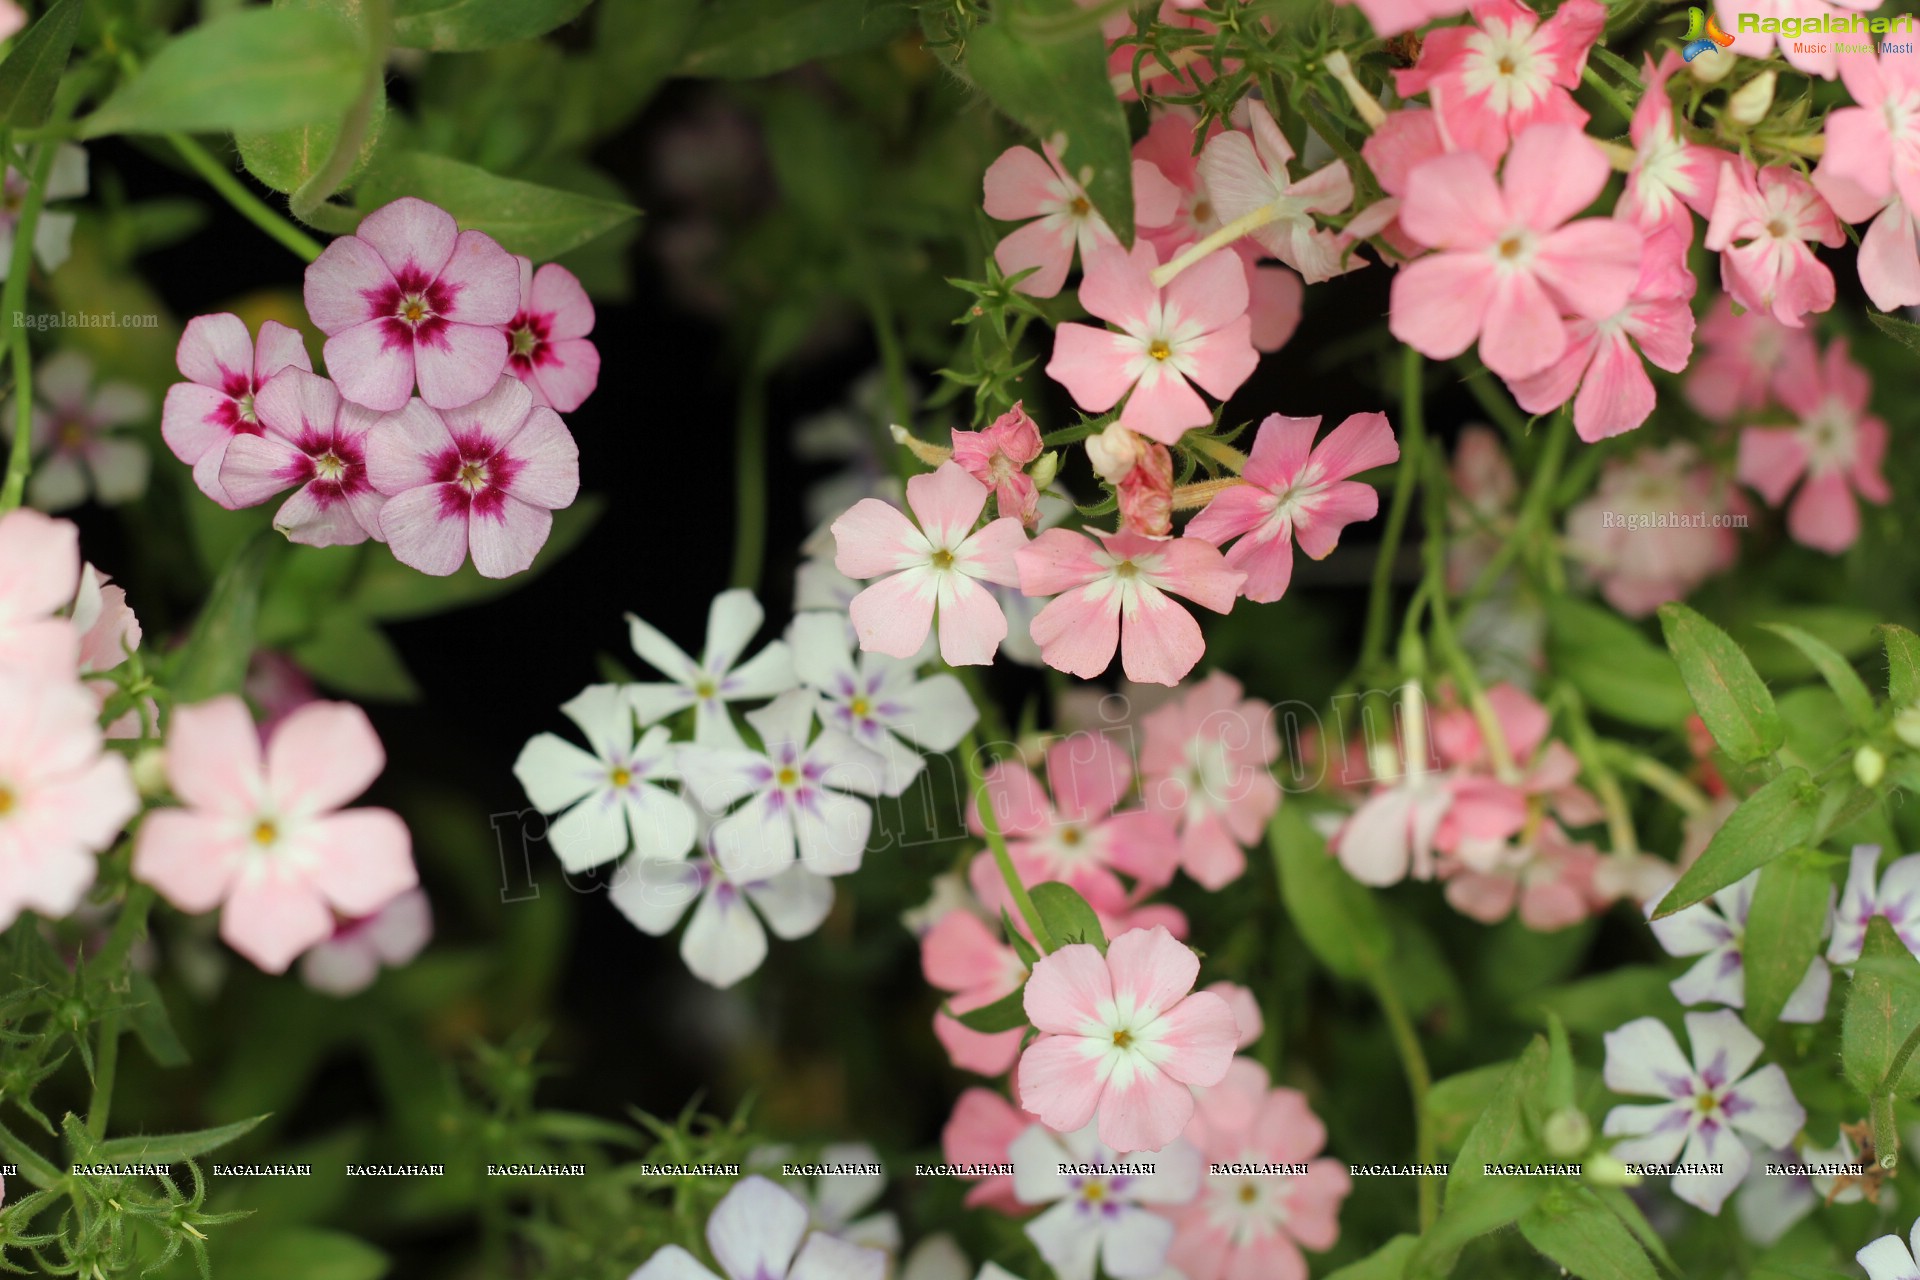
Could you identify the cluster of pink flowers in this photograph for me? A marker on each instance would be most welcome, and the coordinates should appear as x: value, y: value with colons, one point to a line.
x: 473, y: 465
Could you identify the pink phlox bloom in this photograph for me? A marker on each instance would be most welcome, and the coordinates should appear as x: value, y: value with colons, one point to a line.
x: 1551, y: 879
x: 1895, y: 895
x: 311, y: 438
x: 1247, y: 172
x: 1486, y: 492
x: 1601, y: 360
x: 761, y: 1231
x: 1715, y: 930
x: 81, y: 453
x: 1391, y: 834
x: 934, y: 571
x: 963, y: 956
x: 224, y: 370
x: 1110, y: 1220
x: 1113, y: 594
x: 1838, y: 447
x: 1741, y: 359
x: 1405, y: 140
x: 1392, y: 17
x: 797, y: 792
x: 547, y: 345
x: 1616, y: 534
x: 1196, y: 330
x: 1762, y: 223
x: 264, y: 832
x: 1547, y: 769
x: 1871, y: 169
x: 1124, y: 1035
x: 1144, y: 495
x: 1507, y: 71
x: 63, y: 800
x: 1021, y: 185
x: 1296, y: 489
x: 998, y: 456
x: 1706, y: 1106
x: 1808, y: 52
x: 1506, y: 267
x: 719, y: 677
x: 1671, y: 179
x: 1206, y: 763
x: 348, y: 962
x: 410, y: 295
x: 983, y: 1125
x: 39, y: 577
x: 484, y: 478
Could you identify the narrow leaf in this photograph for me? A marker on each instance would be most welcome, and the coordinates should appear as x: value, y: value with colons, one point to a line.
x: 1729, y: 694
x: 1839, y: 674
x: 1785, y: 924
x: 459, y: 26
x: 1614, y: 666
x: 32, y: 71
x: 1778, y: 817
x: 171, y: 1148
x: 1902, y: 331
x: 1903, y: 665
x: 1388, y: 1262
x: 1883, y: 1007
x: 1004, y: 1014
x: 152, y: 1026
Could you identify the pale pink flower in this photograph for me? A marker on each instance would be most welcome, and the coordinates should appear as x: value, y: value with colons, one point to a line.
x: 760, y: 1231
x: 1507, y: 268
x: 265, y: 834
x: 1021, y: 185
x: 935, y: 568
x: 108, y: 632
x: 1124, y: 1036
x: 1296, y: 489
x: 1247, y: 173
x: 224, y: 370
x: 1404, y: 141
x: 1549, y: 878
x: 39, y: 574
x: 1838, y: 446
x: 81, y: 453
x: 998, y: 456
x: 1506, y: 72
x: 1196, y: 328
x: 962, y: 956
x: 63, y: 799
x: 1871, y: 169
x: 410, y: 295
x: 486, y: 478
x: 1761, y: 225
x: 308, y: 436
x: 1641, y: 568
x: 1810, y: 51
x: 1391, y: 834
x: 1207, y: 763
x: 1144, y: 495
x: 53, y: 236
x: 1740, y: 360
x: 1112, y: 594
x: 1391, y: 17
x: 1488, y: 491
x: 983, y: 1125
x: 359, y: 948
x: 1671, y: 179
x: 1615, y: 393
x: 547, y: 345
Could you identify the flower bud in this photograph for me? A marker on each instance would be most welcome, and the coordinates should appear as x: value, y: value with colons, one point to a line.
x: 1869, y: 766
x: 1363, y: 102
x: 1711, y: 70
x: 931, y: 454
x: 1045, y: 469
x: 1906, y: 725
x: 150, y: 772
x: 1113, y: 453
x: 1603, y: 1170
x: 1567, y: 1133
x: 1751, y: 102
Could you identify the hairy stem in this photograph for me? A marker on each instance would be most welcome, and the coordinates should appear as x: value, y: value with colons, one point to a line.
x: 252, y: 207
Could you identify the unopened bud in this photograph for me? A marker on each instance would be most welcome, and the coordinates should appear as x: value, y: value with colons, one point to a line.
x: 1567, y: 1133
x: 931, y: 454
x: 1711, y: 70
x: 1906, y: 725
x: 1603, y: 1170
x: 150, y: 772
x: 1869, y: 766
x: 1751, y: 102
x: 1045, y: 469
x: 1113, y: 453
x: 1363, y: 102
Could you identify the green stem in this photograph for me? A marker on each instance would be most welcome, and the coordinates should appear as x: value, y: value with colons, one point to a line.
x: 1406, y: 1042
x: 1688, y: 798
x: 1530, y: 528
x: 1886, y: 1133
x: 12, y: 299
x: 128, y: 929
x: 312, y: 193
x: 1586, y: 746
x: 750, y: 480
x: 1608, y: 94
x: 106, y: 1063
x: 1412, y: 435
x: 977, y: 786
x: 34, y: 1167
x: 252, y: 207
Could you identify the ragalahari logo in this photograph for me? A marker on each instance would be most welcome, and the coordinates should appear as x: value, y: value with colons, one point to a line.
x: 1703, y: 35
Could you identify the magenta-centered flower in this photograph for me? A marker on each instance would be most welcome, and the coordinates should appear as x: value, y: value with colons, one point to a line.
x: 485, y: 477
x: 312, y: 438
x: 547, y: 345
x: 410, y: 295
x: 224, y: 370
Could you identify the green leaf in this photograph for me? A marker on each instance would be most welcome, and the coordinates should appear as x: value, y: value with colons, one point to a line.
x: 540, y: 222
x: 32, y: 71
x: 1004, y: 1014
x: 389, y: 591
x: 1778, y: 817
x: 1059, y: 88
x: 1614, y: 666
x: 457, y: 26
x: 214, y: 659
x: 1883, y: 1007
x: 1336, y: 915
x: 1596, y: 1005
x: 350, y: 655
x: 287, y: 158
x: 255, y: 69
x: 298, y: 1253
x: 1729, y: 694
x: 1455, y: 1103
x: 171, y: 1148
x: 1021, y: 947
x: 1067, y: 916
x: 1903, y: 665
x: 748, y: 39
x: 148, y: 1018
x: 1574, y: 1229
x: 1388, y: 1262
x: 1835, y: 670
x: 1903, y: 331
x: 1785, y: 924
x: 634, y: 49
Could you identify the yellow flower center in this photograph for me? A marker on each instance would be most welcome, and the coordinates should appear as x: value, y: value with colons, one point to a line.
x: 1706, y: 1102
x: 414, y: 311
x: 329, y: 466
x: 1094, y: 1192
x: 1160, y: 350
x: 265, y: 832
x: 6, y: 801
x: 942, y: 559
x: 1126, y: 569
x: 1510, y: 247
x: 861, y: 708
x: 473, y: 475
x: 1070, y: 837
x: 1122, y: 1038
x: 787, y: 777
x: 524, y: 342
x: 1248, y: 1193
x: 1081, y: 206
x: 704, y: 690
x: 621, y: 778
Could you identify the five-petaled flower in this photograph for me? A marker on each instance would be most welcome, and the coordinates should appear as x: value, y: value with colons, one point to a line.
x: 1763, y: 222
x: 312, y: 438
x: 224, y: 370
x: 1021, y: 185
x: 760, y: 1232
x: 719, y: 677
x: 1103, y: 1214
x: 547, y: 345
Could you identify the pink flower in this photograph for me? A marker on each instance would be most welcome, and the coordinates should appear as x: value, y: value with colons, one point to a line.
x: 1640, y: 569
x: 411, y: 295
x: 1145, y: 494
x: 1760, y: 227
x: 108, y: 632
x: 1494, y: 80
x: 1871, y: 169
x: 1507, y: 267
x: 547, y: 345
x: 1247, y: 1225
x: 1550, y: 878
x: 224, y: 369
x: 1197, y: 328
x: 1124, y: 1037
x: 80, y: 452
x: 1671, y: 179
x: 962, y: 956
x: 1487, y: 493
x: 1391, y: 834
x: 62, y: 799
x: 486, y: 477
x: 1838, y: 447
x: 1123, y: 576
x: 348, y: 961
x: 1295, y: 488
x: 1391, y: 17
x: 998, y: 457
x: 39, y: 573
x: 1615, y: 394
x: 1246, y: 175
x: 983, y: 1125
x: 1021, y: 185
x: 1742, y: 360
x: 265, y: 835
x: 312, y: 438
x: 937, y: 567
x: 1207, y: 763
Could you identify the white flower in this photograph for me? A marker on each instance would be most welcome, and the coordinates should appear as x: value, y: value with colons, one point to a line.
x: 1889, y: 1258
x: 1715, y: 930
x: 1102, y: 1218
x: 835, y: 1203
x: 610, y: 794
x: 939, y: 1258
x: 759, y: 1232
x: 53, y: 233
x: 1896, y: 896
x: 878, y: 701
x: 719, y: 677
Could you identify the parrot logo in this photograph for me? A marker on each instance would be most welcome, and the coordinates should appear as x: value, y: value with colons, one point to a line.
x: 1703, y: 34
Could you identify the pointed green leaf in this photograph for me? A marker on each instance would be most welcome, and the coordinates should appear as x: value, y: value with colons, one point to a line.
x: 352, y: 656
x: 747, y: 39
x: 1902, y: 331
x: 171, y: 1148
x: 1778, y: 817
x: 1839, y: 674
x: 1021, y: 947
x: 460, y: 26
x: 214, y: 659
x: 1883, y: 1008
x: 1728, y: 693
x: 1337, y: 917
x: 1614, y: 666
x: 1903, y: 665
x: 1388, y: 1262
x: 32, y: 71
x: 1457, y: 1102
x: 1785, y: 924
x: 1574, y: 1229
x: 526, y: 218
x: 150, y: 1023
x: 1004, y: 1014
x: 1067, y: 916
